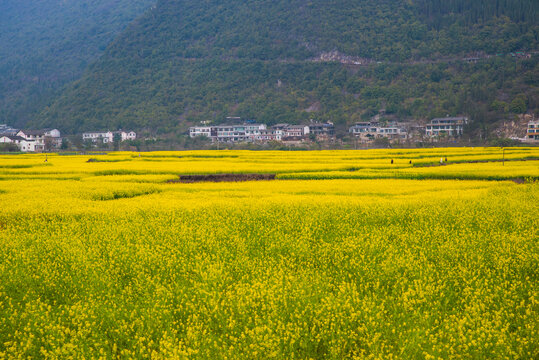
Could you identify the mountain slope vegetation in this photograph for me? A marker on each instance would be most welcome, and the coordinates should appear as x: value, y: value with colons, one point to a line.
x: 45, y: 44
x: 185, y: 61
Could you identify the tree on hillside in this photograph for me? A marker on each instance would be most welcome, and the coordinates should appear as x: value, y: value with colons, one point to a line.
x: 116, y: 141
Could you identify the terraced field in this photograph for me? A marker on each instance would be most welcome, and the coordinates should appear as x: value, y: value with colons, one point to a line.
x: 341, y: 254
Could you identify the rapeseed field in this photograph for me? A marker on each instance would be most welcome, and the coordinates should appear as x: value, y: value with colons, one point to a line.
x: 379, y: 254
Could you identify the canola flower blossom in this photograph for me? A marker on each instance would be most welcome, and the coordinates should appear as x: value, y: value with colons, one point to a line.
x: 345, y: 255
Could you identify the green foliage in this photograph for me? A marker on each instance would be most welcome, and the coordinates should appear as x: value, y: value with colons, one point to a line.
x: 295, y: 29
x: 65, y: 144
x: 498, y: 105
x: 8, y: 148
x: 186, y: 61
x: 210, y: 90
x: 46, y: 44
x: 518, y: 105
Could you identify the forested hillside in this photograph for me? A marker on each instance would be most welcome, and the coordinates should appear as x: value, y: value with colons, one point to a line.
x: 187, y: 60
x: 44, y: 44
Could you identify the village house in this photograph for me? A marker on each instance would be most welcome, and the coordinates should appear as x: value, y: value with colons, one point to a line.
x: 104, y: 137
x: 108, y: 136
x: 253, y: 131
x: 44, y: 139
x: 271, y: 135
x: 322, y: 131
x: 364, y: 131
x: 393, y: 132
x: 126, y: 135
x: 195, y: 131
x: 449, y: 126
x: 34, y: 135
x: 8, y: 130
x: 23, y: 144
x: 369, y: 131
x: 280, y: 126
x: 295, y: 131
x: 362, y: 128
x: 230, y: 133
x: 224, y: 133
x: 532, y: 134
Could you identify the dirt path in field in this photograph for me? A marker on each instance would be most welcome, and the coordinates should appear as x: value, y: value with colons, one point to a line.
x: 222, y: 178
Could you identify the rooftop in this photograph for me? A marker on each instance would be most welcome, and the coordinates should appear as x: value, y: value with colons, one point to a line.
x: 14, y: 137
x: 457, y: 118
x: 37, y: 132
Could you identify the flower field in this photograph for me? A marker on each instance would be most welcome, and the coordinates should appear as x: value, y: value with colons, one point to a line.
x: 347, y: 254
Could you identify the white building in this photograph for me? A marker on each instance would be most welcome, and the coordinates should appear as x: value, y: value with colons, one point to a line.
x: 368, y: 131
x: 23, y: 144
x: 322, y: 130
x: 270, y: 135
x: 28, y: 146
x: 8, y: 130
x: 392, y: 132
x: 229, y: 133
x: 451, y: 126
x: 363, y: 129
x: 254, y: 131
x: 44, y: 139
x: 108, y: 136
x: 127, y: 135
x: 195, y: 131
x: 296, y: 131
x: 532, y: 134
x: 104, y: 137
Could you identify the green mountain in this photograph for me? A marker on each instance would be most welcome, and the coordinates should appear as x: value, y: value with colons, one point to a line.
x: 46, y: 44
x: 343, y: 60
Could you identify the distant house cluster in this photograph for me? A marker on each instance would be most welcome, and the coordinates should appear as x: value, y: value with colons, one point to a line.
x: 366, y: 132
x: 50, y: 139
x: 107, y: 137
x: 253, y: 132
x: 31, y: 140
x: 395, y: 132
x: 250, y: 131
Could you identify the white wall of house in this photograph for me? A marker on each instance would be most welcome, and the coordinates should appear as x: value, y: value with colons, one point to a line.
x: 40, y: 138
x: 105, y: 137
x: 195, y: 131
x: 21, y: 143
x: 448, y: 126
x: 55, y: 133
x: 131, y: 135
x: 532, y: 134
x: 28, y: 146
x: 108, y: 136
x: 5, y: 140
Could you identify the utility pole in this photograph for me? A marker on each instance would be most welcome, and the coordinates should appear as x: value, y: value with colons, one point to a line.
x: 503, y: 157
